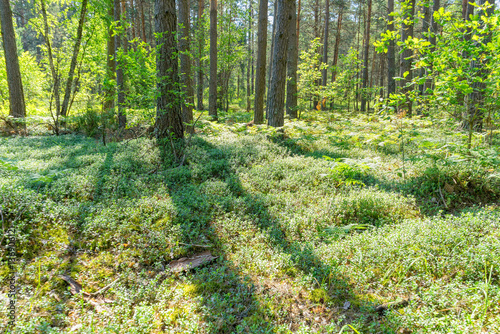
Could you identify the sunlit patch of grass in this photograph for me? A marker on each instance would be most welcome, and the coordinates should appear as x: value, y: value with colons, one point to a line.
x: 301, y: 222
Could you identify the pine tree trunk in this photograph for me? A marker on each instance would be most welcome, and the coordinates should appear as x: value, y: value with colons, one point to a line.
x: 325, y: 41
x: 260, y: 75
x: 201, y: 45
x: 122, y: 120
x: 391, y: 53
x: 366, y: 54
x: 249, y: 63
x: 168, y: 107
x: 291, y: 87
x: 212, y: 100
x: 337, y: 44
x: 185, y: 55
x: 405, y: 62
x: 16, y: 93
x: 425, y: 35
x: 271, y: 53
x: 109, y: 91
x: 276, y: 98
x: 143, y: 26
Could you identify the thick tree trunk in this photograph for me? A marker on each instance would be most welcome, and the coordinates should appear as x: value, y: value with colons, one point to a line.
x: 260, y: 75
x: 249, y: 63
x: 143, y: 26
x: 74, y: 59
x: 276, y: 98
x: 291, y: 86
x: 405, y: 62
x: 391, y: 53
x: 185, y: 74
x: 325, y: 42
x: 337, y: 44
x: 356, y: 94
x: 109, y: 91
x: 212, y: 99
x: 122, y: 119
x: 201, y: 46
x: 366, y: 54
x: 16, y: 93
x: 271, y: 53
x: 298, y: 23
x: 168, y: 107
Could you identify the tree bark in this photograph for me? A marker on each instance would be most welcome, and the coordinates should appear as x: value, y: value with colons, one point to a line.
x: 405, y: 62
x: 16, y: 93
x: 260, y: 75
x: 276, y: 98
x: 109, y: 91
x: 425, y: 35
x: 271, y: 52
x: 366, y: 54
x: 185, y: 55
x: 201, y: 45
x: 291, y: 87
x: 391, y: 54
x: 337, y: 44
x: 212, y: 100
x: 249, y: 63
x: 168, y: 107
x: 122, y: 120
x: 74, y: 59
x: 325, y: 41
x: 143, y: 26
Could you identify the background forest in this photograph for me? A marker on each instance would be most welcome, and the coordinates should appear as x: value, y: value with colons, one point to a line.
x: 334, y: 165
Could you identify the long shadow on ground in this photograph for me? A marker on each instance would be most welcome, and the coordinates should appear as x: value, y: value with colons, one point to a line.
x: 230, y: 312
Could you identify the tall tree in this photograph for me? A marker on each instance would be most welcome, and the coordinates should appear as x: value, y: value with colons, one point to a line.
x: 325, y: 41
x: 74, y: 59
x: 16, y: 93
x: 293, y: 54
x: 168, y: 107
x: 212, y: 99
x: 405, y: 62
x: 109, y: 91
x: 53, y: 71
x: 271, y: 53
x: 391, y: 52
x: 185, y: 55
x: 260, y: 75
x: 249, y: 60
x: 337, y: 42
x: 476, y: 99
x: 201, y: 46
x: 122, y: 119
x: 276, y: 97
x: 366, y: 45
x: 425, y: 35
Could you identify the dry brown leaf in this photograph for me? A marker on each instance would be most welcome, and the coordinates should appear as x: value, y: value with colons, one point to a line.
x: 187, y: 263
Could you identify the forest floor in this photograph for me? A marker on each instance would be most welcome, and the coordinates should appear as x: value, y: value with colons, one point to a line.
x: 323, y: 229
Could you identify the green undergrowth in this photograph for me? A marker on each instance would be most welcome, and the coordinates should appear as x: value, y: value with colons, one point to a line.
x: 313, y: 228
